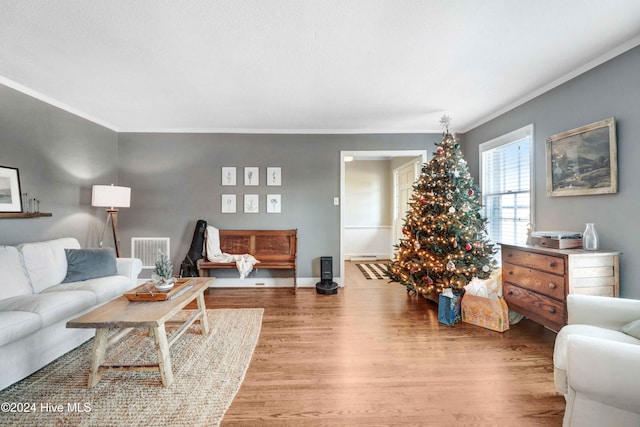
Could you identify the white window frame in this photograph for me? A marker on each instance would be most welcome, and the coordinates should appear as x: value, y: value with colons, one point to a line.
x: 516, y: 135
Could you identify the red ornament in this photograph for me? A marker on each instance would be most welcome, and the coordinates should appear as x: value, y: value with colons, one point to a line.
x: 425, y: 278
x: 470, y: 192
x: 468, y: 246
x: 439, y: 150
x: 405, y: 231
x: 423, y: 201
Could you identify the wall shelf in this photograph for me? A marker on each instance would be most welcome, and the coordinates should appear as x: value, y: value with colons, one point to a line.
x: 23, y: 215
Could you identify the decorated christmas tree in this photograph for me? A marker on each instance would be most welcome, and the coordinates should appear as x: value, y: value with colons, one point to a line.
x: 444, y: 243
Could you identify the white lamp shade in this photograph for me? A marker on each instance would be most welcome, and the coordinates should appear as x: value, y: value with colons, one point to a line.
x: 111, y: 196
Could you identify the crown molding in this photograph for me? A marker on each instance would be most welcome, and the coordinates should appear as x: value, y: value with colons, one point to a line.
x: 54, y: 102
x: 617, y: 51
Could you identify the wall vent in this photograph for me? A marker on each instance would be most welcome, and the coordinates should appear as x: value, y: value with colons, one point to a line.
x: 148, y: 249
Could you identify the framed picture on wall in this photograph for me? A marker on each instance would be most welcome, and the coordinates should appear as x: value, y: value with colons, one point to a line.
x: 274, y: 203
x: 274, y: 176
x: 583, y: 161
x: 228, y: 175
x: 251, y: 203
x: 251, y: 176
x: 228, y: 203
x: 10, y: 193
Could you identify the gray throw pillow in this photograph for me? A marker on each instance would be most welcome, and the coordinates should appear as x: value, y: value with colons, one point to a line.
x: 632, y: 329
x: 83, y: 264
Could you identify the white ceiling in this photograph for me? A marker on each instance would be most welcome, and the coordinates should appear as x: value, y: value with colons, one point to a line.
x: 334, y: 66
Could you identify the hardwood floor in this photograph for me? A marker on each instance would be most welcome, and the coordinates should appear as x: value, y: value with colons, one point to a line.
x: 374, y: 355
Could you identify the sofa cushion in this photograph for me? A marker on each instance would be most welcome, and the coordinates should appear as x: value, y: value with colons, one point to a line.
x: 560, y: 349
x: 46, y: 262
x: 16, y: 325
x: 51, y: 307
x: 632, y: 329
x: 84, y: 264
x: 14, y: 281
x: 105, y: 288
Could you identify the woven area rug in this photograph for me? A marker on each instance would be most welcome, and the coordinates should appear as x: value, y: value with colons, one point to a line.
x: 208, y: 372
x: 372, y: 270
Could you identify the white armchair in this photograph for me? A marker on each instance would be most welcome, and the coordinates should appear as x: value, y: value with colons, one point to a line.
x: 596, y: 366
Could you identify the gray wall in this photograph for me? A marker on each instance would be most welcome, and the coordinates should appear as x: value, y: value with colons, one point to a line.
x: 368, y: 193
x: 610, y: 90
x: 59, y: 157
x: 176, y: 180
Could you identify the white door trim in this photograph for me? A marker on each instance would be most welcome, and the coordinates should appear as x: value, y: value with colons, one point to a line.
x: 364, y: 155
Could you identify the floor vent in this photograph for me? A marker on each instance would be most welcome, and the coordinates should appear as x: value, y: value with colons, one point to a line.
x: 148, y: 249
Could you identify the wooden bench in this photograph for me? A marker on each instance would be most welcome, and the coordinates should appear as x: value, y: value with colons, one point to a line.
x: 275, y: 249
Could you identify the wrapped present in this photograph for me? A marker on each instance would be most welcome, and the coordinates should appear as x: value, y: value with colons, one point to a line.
x: 449, y: 307
x: 485, y: 312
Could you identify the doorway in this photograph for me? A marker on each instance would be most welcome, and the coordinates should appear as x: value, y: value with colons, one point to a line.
x: 346, y: 156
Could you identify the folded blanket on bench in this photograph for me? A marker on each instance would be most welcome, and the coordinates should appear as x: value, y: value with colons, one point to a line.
x: 244, y: 262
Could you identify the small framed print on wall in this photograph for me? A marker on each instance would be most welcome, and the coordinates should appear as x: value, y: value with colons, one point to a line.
x: 274, y: 176
x: 274, y: 204
x: 251, y: 203
x: 10, y: 196
x: 251, y: 176
x: 228, y: 203
x: 228, y: 175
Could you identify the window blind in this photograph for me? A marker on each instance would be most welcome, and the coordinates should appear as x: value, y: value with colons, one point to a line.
x: 506, y: 187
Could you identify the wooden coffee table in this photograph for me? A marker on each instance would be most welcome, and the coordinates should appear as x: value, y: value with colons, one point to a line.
x: 125, y: 315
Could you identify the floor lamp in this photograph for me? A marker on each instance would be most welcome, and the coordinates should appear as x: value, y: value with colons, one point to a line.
x: 112, y: 197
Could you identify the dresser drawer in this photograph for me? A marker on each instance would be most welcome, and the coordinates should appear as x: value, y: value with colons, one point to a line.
x: 550, y: 264
x: 535, y: 280
x: 537, y: 307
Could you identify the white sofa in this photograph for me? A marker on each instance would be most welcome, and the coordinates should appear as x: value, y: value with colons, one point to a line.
x: 37, y: 299
x: 596, y: 365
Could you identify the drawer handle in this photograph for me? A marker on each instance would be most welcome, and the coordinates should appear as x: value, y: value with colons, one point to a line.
x: 553, y: 264
x: 552, y: 310
x: 509, y: 255
x: 552, y: 286
x: 510, y: 293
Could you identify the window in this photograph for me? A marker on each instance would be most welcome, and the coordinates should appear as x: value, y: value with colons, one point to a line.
x: 506, y: 171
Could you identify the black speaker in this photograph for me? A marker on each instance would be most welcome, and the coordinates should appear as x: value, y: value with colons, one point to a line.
x: 326, y: 285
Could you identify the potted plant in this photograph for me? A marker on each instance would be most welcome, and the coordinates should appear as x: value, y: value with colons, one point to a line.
x: 162, y: 274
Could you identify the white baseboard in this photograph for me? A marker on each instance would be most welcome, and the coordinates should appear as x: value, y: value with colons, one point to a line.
x: 367, y: 257
x: 266, y: 282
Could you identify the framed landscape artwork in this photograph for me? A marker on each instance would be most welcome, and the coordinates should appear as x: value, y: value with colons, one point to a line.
x: 10, y: 196
x: 583, y: 161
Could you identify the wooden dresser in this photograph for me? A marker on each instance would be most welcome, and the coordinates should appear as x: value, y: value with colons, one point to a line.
x: 536, y: 280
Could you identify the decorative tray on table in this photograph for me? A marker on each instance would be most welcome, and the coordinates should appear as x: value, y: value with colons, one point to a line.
x: 148, y: 292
